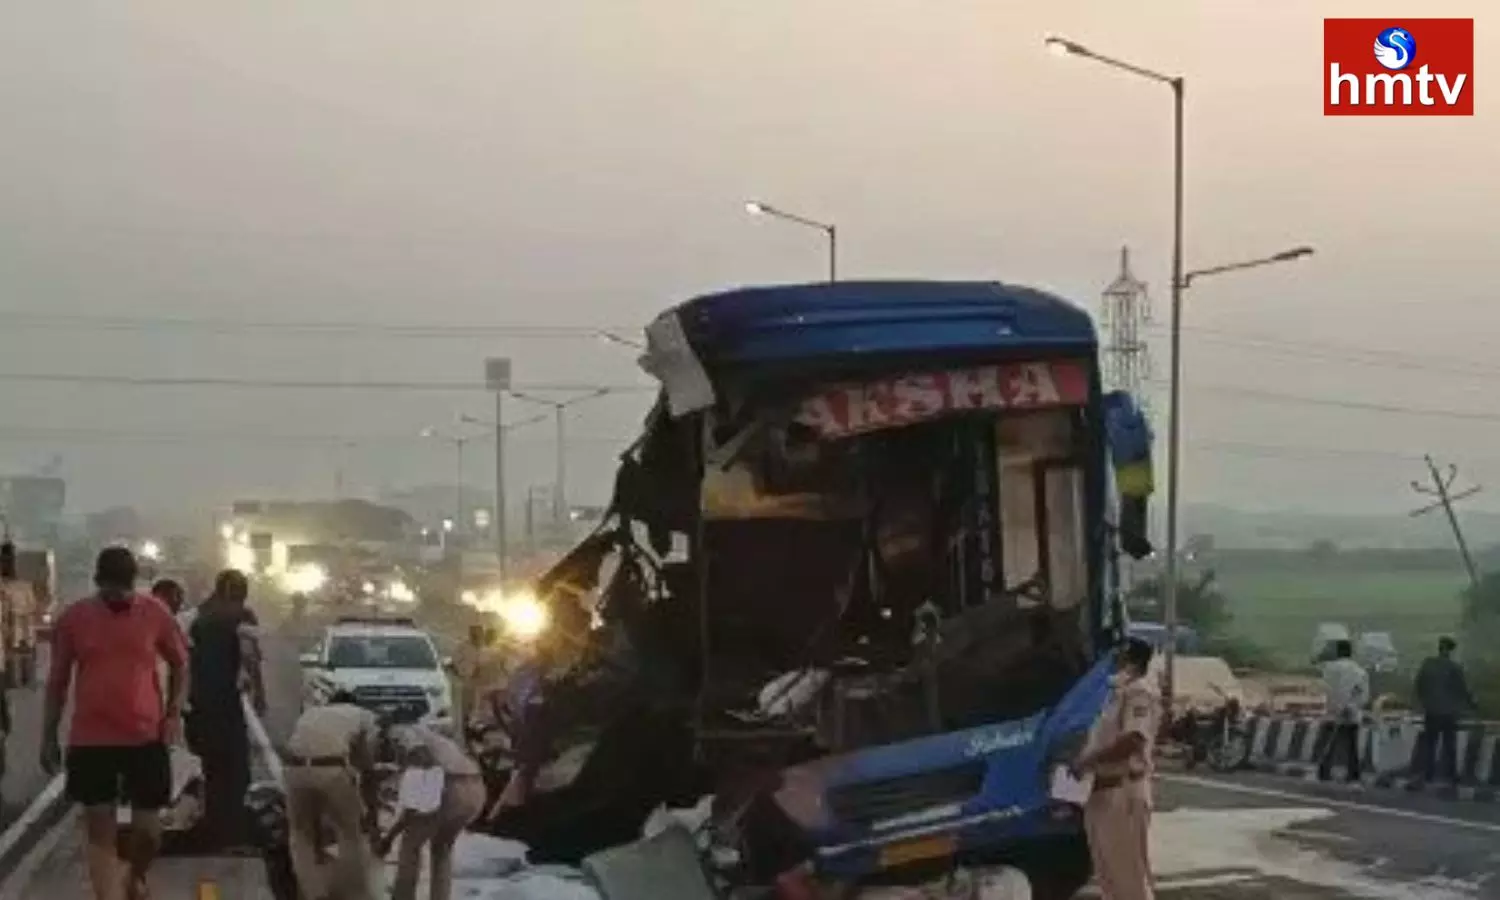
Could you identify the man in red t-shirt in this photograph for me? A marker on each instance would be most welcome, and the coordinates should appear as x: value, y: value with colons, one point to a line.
x: 107, y: 648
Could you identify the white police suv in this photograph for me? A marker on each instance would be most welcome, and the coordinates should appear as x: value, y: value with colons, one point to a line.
x: 390, y: 666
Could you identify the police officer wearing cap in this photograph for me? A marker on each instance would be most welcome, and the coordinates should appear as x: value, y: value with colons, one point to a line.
x: 1118, y: 757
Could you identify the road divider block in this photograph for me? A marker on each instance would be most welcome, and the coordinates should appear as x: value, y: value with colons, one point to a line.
x: 1391, y: 749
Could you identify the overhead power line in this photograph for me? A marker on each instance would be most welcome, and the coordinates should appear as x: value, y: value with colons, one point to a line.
x: 1345, y: 354
x: 1259, y: 450
x: 65, y: 434
x: 89, y: 435
x: 21, y: 321
x: 16, y: 320
x: 209, y: 381
x: 177, y: 381
x: 1361, y: 405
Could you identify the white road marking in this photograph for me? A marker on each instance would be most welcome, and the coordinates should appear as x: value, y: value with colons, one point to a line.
x: 16, y: 883
x: 1330, y: 803
x: 1207, y: 881
x: 1187, y: 883
x: 42, y: 804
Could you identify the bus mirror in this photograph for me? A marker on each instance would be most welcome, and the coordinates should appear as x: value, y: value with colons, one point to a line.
x: 1134, y: 519
x: 1128, y: 437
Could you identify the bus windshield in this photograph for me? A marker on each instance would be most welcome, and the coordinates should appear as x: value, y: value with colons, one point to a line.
x: 963, y: 539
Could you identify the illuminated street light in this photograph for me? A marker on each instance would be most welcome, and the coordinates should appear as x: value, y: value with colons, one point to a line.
x: 830, y: 231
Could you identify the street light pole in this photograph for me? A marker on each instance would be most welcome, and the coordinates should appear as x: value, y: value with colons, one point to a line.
x: 830, y: 231
x: 458, y: 484
x: 497, y: 379
x: 502, y: 540
x: 560, y: 467
x: 1174, y: 401
x: 560, y: 513
x: 1180, y: 283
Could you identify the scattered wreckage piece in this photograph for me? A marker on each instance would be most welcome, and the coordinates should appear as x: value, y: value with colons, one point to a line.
x: 664, y: 867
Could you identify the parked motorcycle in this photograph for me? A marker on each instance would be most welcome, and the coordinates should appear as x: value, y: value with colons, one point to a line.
x: 1218, y: 738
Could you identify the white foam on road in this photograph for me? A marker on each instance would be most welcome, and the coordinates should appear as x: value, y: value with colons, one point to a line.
x: 1189, y: 842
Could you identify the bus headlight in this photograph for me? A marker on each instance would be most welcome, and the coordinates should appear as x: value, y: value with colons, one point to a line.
x: 524, y: 616
x: 306, y: 579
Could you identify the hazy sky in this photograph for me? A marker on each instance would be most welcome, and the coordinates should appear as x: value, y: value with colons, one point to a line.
x: 471, y: 165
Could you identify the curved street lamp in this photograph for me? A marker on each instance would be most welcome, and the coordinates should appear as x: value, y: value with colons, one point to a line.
x: 756, y: 208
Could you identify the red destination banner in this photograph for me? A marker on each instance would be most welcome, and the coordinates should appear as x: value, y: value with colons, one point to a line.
x: 850, y: 409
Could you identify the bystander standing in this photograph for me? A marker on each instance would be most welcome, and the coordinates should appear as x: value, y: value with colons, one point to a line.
x: 1443, y: 696
x: 104, y: 654
x: 1348, y: 690
x: 224, y: 668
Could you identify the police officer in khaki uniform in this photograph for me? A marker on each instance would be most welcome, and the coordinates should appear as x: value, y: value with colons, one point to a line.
x: 330, y: 782
x: 434, y: 811
x: 467, y: 663
x: 1118, y: 755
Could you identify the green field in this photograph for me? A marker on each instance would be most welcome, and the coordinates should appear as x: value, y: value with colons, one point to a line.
x: 1280, y: 611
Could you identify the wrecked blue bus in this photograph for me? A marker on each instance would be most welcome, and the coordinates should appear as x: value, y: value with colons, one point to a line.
x: 871, y: 531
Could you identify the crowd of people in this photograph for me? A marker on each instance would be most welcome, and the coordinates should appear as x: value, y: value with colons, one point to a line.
x: 147, y: 675
x: 1440, y: 692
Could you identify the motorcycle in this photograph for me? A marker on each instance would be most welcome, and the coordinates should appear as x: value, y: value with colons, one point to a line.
x: 1218, y: 738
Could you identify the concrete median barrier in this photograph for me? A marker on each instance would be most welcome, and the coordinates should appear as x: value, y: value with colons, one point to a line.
x: 1390, y: 748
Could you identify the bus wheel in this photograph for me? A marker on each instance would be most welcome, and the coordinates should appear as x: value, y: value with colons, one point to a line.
x: 1060, y: 869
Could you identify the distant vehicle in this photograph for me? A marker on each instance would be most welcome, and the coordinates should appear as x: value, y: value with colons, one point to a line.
x: 1155, y: 633
x: 390, y: 666
x: 1376, y: 651
x: 1326, y: 638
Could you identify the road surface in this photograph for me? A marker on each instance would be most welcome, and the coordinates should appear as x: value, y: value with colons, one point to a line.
x: 1269, y: 838
x: 56, y: 869
x: 23, y: 772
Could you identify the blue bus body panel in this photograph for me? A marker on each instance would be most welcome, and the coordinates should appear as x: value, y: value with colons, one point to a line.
x: 788, y: 333
x: 785, y: 323
x: 1013, y: 803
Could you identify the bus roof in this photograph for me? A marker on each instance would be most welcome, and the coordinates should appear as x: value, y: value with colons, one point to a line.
x: 786, y: 323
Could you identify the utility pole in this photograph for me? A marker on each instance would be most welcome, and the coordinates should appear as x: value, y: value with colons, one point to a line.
x: 1442, y: 489
x: 497, y: 379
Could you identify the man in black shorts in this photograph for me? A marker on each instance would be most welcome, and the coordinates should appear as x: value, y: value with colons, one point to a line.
x: 106, y: 648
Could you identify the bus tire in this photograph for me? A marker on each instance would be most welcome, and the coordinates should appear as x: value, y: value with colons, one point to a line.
x: 1060, y: 869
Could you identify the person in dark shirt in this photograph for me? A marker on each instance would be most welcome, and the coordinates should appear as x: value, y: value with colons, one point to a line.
x: 224, y: 665
x: 170, y: 592
x: 1443, y: 695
